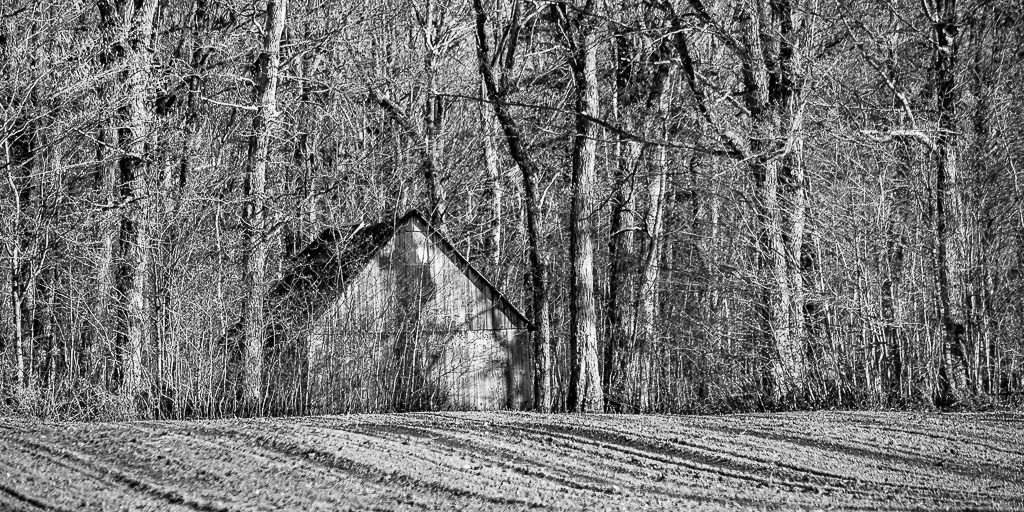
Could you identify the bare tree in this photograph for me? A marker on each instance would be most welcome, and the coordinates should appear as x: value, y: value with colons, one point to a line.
x: 256, y: 226
x: 19, y: 148
x: 530, y: 171
x: 495, y: 190
x: 620, y: 334
x: 585, y: 391
x: 129, y: 33
x: 951, y: 229
x: 643, y: 77
x: 650, y: 269
x: 951, y: 238
x: 769, y: 53
x: 824, y: 209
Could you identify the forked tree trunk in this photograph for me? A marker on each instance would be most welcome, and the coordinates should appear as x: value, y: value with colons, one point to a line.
x: 538, y: 270
x: 256, y: 236
x: 772, y: 74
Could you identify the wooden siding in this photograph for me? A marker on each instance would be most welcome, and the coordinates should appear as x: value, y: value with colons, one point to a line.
x: 413, y: 331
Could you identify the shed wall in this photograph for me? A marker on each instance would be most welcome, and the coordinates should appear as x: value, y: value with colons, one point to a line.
x: 413, y: 331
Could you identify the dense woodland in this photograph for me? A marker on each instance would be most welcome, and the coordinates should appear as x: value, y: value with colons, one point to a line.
x: 702, y: 205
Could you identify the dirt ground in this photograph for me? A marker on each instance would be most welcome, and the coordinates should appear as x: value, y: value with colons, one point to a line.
x: 517, y: 461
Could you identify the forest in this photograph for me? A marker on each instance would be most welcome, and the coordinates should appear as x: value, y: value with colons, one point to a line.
x: 700, y: 205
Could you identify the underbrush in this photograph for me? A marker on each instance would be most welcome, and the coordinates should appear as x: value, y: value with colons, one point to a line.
x: 94, y: 403
x: 86, y: 403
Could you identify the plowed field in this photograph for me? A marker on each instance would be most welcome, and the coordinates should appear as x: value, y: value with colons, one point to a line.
x: 518, y: 461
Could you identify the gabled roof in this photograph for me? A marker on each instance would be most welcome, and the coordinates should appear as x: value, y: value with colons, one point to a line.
x: 325, y: 267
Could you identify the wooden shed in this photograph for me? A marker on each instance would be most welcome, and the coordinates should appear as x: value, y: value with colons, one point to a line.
x: 397, y: 319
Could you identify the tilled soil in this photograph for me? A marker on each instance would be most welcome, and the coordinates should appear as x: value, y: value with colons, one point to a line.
x: 518, y: 461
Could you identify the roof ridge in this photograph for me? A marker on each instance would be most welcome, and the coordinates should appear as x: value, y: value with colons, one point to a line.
x: 461, y: 260
x: 332, y: 252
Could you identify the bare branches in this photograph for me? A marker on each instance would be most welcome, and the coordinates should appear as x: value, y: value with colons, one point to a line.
x: 737, y: 148
x: 901, y: 97
x: 397, y: 114
x: 915, y: 135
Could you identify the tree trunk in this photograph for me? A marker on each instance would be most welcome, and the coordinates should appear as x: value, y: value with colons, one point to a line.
x: 131, y: 278
x: 984, y: 278
x: 432, y: 114
x: 19, y: 151
x: 649, y: 278
x: 256, y: 241
x: 892, y: 281
x: 949, y: 209
x: 538, y: 271
x: 426, y: 145
x: 786, y: 354
x: 299, y: 178
x: 771, y: 74
x: 104, y: 334
x: 494, y: 193
x: 652, y: 122
x: 585, y: 392
x: 620, y: 336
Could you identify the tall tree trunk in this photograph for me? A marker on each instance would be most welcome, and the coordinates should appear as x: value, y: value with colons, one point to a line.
x: 772, y: 75
x: 585, y: 392
x: 133, y: 23
x: 618, y: 312
x: 300, y: 176
x: 301, y: 182
x: 256, y: 236
x: 19, y: 150
x: 22, y: 143
x: 104, y: 334
x: 771, y: 69
x: 892, y: 281
x: 949, y: 208
x: 620, y: 335
x: 649, y: 278
x: 538, y: 270
x: 649, y: 272
x: 495, y: 192
x: 654, y: 124
x: 987, y: 51
x: 432, y: 115
x: 785, y: 351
